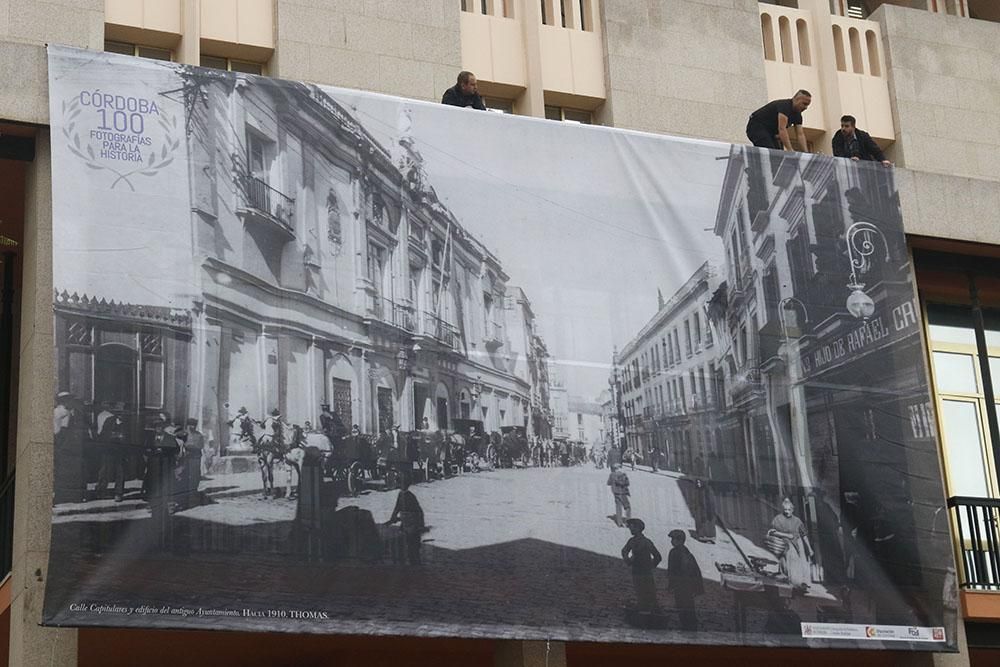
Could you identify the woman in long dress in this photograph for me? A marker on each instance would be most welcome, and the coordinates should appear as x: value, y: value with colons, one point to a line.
x: 795, y: 562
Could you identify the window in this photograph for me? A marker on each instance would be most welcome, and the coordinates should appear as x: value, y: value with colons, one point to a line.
x: 499, y: 105
x: 228, y: 64
x: 414, y: 294
x: 568, y: 115
x: 687, y: 337
x: 376, y: 264
x: 126, y: 49
x: 697, y: 329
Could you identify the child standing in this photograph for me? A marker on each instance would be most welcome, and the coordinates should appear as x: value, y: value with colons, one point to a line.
x: 618, y: 481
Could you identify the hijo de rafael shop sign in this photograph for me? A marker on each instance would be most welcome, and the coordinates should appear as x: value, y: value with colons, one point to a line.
x: 882, y: 329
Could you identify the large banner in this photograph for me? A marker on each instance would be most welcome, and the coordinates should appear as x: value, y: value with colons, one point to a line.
x: 336, y: 362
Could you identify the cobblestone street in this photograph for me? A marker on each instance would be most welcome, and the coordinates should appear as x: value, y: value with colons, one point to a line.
x: 522, y: 549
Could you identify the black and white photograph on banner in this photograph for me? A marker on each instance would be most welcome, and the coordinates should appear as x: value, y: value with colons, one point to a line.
x: 337, y: 362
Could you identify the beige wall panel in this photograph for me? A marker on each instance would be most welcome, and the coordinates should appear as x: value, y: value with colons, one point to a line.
x: 219, y: 20
x: 477, y: 54
x: 646, y: 37
x: 556, y: 59
x: 783, y: 79
x: 391, y: 47
x: 126, y: 12
x: 507, y: 52
x: 255, y: 22
x: 944, y: 73
x: 587, y: 49
x: 159, y: 15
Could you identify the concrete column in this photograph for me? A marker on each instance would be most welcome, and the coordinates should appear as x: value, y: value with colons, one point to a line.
x: 532, y: 101
x: 31, y: 644
x: 530, y: 654
x: 189, y: 49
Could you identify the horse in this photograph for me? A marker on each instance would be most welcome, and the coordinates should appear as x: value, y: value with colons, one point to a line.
x: 270, y: 447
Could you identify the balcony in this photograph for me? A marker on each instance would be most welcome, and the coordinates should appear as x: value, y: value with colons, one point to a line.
x: 493, y: 338
x: 441, y: 331
x: 797, y: 55
x: 975, y: 526
x: 265, y: 209
x: 389, y: 312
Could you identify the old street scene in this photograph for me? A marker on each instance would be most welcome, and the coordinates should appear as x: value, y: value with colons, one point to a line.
x: 377, y: 376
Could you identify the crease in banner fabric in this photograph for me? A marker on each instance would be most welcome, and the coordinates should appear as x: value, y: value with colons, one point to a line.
x: 337, y: 362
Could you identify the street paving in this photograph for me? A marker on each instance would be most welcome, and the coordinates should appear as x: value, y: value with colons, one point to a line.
x: 532, y: 551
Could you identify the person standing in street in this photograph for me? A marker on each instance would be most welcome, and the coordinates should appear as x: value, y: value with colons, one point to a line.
x: 768, y: 125
x: 684, y: 579
x: 618, y: 481
x: 642, y: 556
x: 410, y: 517
x: 464, y: 93
x: 850, y: 142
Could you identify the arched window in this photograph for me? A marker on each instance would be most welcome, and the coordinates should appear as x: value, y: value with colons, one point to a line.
x: 767, y: 33
x: 785, y: 34
x: 805, y: 55
x: 874, y: 68
x: 838, y: 47
x: 857, y: 62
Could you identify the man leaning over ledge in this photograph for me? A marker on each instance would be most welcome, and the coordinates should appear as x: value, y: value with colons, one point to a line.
x: 768, y: 126
x: 464, y: 93
x: 856, y: 144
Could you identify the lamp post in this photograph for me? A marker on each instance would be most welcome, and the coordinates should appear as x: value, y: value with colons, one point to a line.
x: 860, y: 248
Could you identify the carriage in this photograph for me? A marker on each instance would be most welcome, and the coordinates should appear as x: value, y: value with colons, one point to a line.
x: 346, y: 459
x: 469, y: 447
x: 513, y: 446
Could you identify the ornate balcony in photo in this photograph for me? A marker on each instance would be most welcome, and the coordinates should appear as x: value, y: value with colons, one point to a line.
x: 441, y: 331
x: 494, y: 337
x: 265, y: 208
x: 395, y: 314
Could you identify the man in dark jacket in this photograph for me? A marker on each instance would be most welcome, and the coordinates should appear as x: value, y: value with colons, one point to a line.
x: 642, y: 556
x: 683, y: 579
x: 856, y: 144
x: 464, y: 93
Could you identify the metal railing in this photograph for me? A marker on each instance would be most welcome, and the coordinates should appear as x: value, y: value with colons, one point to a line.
x: 6, y: 526
x: 390, y: 312
x: 274, y: 203
x: 976, y: 522
x: 440, y: 330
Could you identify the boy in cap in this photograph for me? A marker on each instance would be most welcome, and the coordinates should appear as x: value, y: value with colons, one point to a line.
x: 684, y: 579
x: 640, y: 554
x: 618, y: 481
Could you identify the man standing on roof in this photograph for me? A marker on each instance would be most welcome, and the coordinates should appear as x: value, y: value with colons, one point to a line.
x: 856, y: 144
x: 464, y: 93
x: 768, y: 125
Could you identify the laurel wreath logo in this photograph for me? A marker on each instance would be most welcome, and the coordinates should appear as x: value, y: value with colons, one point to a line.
x: 85, y: 151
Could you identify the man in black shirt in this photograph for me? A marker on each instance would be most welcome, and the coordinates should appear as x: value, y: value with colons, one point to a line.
x: 856, y: 144
x: 464, y: 93
x: 768, y: 125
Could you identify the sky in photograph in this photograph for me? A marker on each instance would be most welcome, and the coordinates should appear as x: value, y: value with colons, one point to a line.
x: 590, y: 222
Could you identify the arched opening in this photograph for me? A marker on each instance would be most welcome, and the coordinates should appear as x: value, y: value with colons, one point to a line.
x: 838, y: 48
x: 874, y: 68
x: 767, y: 33
x: 785, y: 34
x: 805, y: 53
x: 857, y: 62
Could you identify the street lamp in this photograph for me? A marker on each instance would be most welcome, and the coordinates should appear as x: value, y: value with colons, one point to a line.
x: 403, y: 360
x: 860, y: 248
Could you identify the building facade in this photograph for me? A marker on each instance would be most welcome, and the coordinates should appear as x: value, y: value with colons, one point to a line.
x: 906, y: 69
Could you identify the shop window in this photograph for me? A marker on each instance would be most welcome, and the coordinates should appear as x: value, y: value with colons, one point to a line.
x: 138, y: 50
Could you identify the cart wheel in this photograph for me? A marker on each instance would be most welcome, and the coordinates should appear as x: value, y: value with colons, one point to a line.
x: 355, y: 478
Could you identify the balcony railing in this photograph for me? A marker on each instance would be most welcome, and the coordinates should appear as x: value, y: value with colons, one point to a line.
x: 396, y: 314
x: 268, y: 202
x: 440, y: 330
x: 977, y: 524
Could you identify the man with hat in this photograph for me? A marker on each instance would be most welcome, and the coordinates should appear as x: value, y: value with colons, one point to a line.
x: 683, y: 579
x: 160, y: 474
x: 70, y: 431
x: 642, y: 556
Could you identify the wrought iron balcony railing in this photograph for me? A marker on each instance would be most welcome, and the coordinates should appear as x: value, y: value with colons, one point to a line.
x: 274, y: 204
x: 977, y: 525
x: 390, y: 312
x: 440, y: 330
